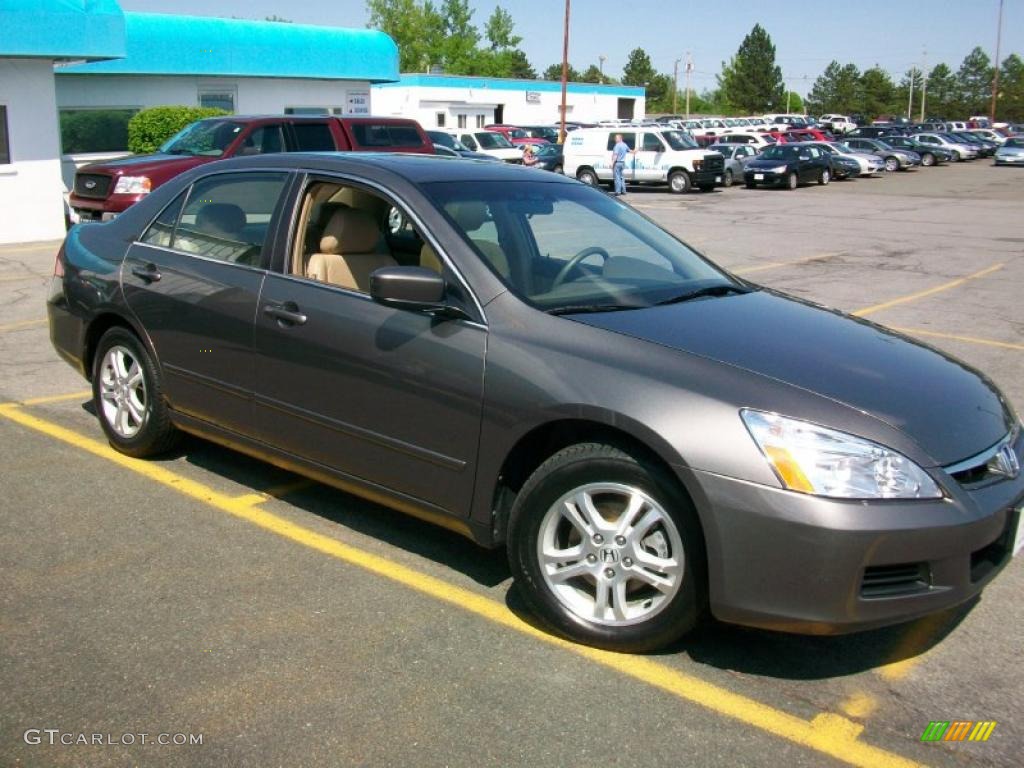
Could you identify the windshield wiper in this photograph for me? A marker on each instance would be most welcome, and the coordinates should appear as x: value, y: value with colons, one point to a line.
x: 579, y: 309
x: 721, y: 289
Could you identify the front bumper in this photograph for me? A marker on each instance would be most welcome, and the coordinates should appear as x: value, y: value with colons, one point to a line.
x: 797, y: 563
x: 705, y: 178
x: 767, y: 179
x: 95, y: 209
x: 1009, y: 159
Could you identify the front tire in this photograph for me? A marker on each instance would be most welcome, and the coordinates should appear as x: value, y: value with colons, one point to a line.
x: 607, y: 550
x: 679, y: 182
x: 892, y: 164
x: 128, y: 395
x: 824, y: 177
x: 927, y: 159
x: 792, y: 182
x: 728, y: 180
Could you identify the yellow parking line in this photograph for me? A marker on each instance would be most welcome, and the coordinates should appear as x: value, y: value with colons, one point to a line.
x: 23, y: 324
x: 56, y: 398
x: 912, y: 647
x: 958, y: 337
x: 777, y: 264
x: 827, y: 733
x: 930, y: 292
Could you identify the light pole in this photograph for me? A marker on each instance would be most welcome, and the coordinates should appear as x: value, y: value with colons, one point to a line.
x: 995, y: 69
x: 910, y: 101
x: 565, y: 72
x: 689, y: 69
x: 924, y: 80
x: 675, y: 87
x: 600, y: 66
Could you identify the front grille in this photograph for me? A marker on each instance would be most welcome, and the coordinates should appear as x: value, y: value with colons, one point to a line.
x: 714, y: 163
x: 996, y: 463
x: 895, y: 580
x: 95, y: 185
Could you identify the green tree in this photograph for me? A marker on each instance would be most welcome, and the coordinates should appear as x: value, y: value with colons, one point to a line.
x: 822, y: 97
x: 659, y: 93
x: 413, y: 26
x: 638, y: 69
x: 592, y: 74
x: 752, y: 81
x: 500, y: 30
x: 459, y: 53
x: 795, y: 102
x: 1010, y: 103
x: 877, y: 93
x: 974, y: 84
x: 941, y: 98
x: 848, y: 89
x: 554, y: 72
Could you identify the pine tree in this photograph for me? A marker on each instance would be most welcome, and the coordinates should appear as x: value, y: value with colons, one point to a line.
x: 974, y: 84
x: 752, y: 81
x: 638, y: 69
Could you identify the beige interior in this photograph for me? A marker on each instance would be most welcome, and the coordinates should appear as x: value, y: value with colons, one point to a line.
x: 348, y: 251
x: 429, y: 258
x: 470, y: 216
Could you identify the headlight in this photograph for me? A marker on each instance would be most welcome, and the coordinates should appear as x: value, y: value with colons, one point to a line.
x: 824, y: 462
x: 133, y: 185
x: 777, y: 169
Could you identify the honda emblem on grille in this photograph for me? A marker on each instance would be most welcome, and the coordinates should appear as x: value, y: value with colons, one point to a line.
x: 90, y: 184
x: 1006, y: 461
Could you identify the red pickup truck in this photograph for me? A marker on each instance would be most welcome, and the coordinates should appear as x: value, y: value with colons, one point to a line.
x: 102, y: 190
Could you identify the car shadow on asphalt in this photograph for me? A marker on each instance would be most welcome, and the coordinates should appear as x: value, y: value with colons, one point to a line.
x: 727, y: 647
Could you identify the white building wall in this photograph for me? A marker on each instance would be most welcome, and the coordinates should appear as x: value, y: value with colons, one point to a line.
x: 519, y: 106
x: 31, y: 204
x: 253, y: 95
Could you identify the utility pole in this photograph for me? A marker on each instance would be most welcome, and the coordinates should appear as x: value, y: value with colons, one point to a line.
x: 600, y: 66
x: 924, y: 80
x: 565, y: 72
x: 910, y: 101
x: 995, y: 72
x: 675, y: 87
x: 689, y: 69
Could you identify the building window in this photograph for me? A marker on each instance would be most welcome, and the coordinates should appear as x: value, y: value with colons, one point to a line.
x: 94, y: 130
x: 5, y: 147
x: 480, y: 121
x: 440, y: 118
x: 310, y: 110
x: 462, y: 121
x: 220, y: 98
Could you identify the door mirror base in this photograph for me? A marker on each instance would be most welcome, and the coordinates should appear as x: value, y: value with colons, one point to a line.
x: 415, y: 288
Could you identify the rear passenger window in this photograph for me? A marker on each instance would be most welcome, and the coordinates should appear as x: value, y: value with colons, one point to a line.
x: 161, y: 231
x: 264, y: 140
x: 226, y: 217
x: 386, y: 135
x: 628, y: 138
x: 313, y: 137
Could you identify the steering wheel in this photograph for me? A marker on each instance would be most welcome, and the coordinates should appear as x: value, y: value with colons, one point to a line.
x: 570, y: 265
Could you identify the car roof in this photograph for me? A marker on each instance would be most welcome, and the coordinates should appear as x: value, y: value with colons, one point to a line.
x: 416, y: 168
x: 317, y: 118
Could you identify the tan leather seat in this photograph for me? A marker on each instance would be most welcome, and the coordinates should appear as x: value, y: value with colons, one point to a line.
x: 429, y: 258
x: 347, y: 256
x: 225, y: 220
x: 470, y: 215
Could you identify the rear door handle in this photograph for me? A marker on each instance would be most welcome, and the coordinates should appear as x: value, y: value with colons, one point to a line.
x: 287, y: 314
x: 149, y: 273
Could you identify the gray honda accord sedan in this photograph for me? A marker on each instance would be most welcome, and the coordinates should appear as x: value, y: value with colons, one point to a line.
x: 536, y: 365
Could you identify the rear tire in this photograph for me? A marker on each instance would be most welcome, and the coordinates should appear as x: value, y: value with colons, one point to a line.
x: 679, y: 182
x: 927, y: 160
x: 892, y: 164
x: 637, y: 584
x: 727, y: 178
x: 588, y: 177
x: 824, y: 177
x: 127, y: 392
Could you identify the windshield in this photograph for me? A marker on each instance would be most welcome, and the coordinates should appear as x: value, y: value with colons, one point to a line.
x: 493, y: 141
x: 778, y: 152
x: 518, y: 133
x: 1014, y: 143
x: 679, y: 140
x: 546, y: 149
x: 569, y: 247
x: 206, y: 137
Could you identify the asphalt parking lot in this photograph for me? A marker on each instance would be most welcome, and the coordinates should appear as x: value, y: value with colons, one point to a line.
x: 290, y: 624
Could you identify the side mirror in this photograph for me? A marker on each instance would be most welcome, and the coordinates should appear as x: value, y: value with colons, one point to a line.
x: 408, y: 288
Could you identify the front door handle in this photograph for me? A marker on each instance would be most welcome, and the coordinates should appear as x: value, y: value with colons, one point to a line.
x: 149, y: 273
x: 286, y: 314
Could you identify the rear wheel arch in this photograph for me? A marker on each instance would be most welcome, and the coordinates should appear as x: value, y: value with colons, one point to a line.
x: 98, y: 326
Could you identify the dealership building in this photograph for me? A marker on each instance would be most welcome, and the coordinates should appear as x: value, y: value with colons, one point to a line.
x: 449, y: 101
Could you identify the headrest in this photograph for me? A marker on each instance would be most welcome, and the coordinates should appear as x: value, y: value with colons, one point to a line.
x: 349, y: 230
x: 429, y: 259
x: 469, y: 214
x: 224, y: 219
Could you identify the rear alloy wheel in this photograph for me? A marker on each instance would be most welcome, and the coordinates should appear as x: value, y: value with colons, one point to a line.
x: 587, y: 176
x: 824, y: 177
x: 607, y: 551
x: 558, y: 169
x: 128, y: 396
x: 728, y: 180
x: 927, y: 159
x: 792, y: 181
x: 679, y: 182
x: 892, y: 164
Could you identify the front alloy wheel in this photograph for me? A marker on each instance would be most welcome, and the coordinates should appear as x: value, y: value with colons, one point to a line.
x: 892, y: 164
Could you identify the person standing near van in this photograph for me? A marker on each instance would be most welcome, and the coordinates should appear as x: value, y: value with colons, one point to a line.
x: 619, y: 152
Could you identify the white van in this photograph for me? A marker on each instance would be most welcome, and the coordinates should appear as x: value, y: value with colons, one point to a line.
x: 664, y: 157
x: 490, y: 143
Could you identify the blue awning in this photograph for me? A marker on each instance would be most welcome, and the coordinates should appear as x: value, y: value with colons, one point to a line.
x: 161, y: 44
x: 62, y: 29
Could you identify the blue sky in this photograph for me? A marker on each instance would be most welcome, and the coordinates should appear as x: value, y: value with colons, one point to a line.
x: 806, y: 35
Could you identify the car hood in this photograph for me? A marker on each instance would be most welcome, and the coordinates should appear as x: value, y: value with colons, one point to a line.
x: 140, y: 165
x: 764, y: 162
x: 950, y: 410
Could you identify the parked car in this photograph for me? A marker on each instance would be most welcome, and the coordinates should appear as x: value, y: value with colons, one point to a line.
x: 736, y: 157
x: 985, y: 148
x: 755, y: 139
x: 895, y: 159
x: 547, y: 132
x: 959, y: 149
x: 549, y: 157
x: 788, y: 165
x: 456, y: 147
x: 838, y: 124
x: 930, y: 155
x: 845, y: 167
x: 516, y: 135
x: 870, y: 164
x: 649, y: 437
x: 662, y: 157
x: 989, y: 134
x: 1011, y: 153
x: 490, y: 143
x: 103, y: 190
x: 875, y: 132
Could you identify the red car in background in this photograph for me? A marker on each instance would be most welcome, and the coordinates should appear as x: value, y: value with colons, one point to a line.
x: 103, y: 190
x: 516, y: 135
